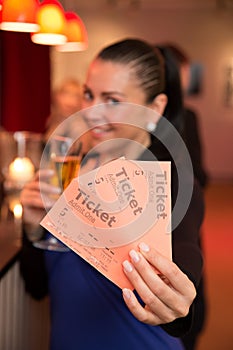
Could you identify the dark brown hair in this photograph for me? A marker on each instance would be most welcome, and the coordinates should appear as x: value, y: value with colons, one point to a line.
x: 146, y: 63
x: 155, y: 69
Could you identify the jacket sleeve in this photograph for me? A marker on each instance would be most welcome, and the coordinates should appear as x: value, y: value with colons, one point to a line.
x: 187, y: 255
x: 32, y: 269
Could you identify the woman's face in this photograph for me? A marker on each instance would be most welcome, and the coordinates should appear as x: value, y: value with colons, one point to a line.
x: 108, y: 84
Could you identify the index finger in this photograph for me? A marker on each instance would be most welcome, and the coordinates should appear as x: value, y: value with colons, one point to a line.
x: 44, y: 174
x: 179, y: 280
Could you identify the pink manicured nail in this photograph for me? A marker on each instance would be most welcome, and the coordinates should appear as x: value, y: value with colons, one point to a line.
x: 144, y: 247
x: 127, y: 266
x: 134, y: 256
x: 56, y: 190
x: 127, y: 293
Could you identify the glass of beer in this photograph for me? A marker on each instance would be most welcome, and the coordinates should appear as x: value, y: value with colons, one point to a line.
x: 65, y: 159
x: 64, y: 156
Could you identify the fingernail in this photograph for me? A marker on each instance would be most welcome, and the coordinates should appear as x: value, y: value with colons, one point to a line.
x: 127, y: 293
x: 127, y: 266
x: 144, y: 247
x: 56, y: 190
x: 134, y: 256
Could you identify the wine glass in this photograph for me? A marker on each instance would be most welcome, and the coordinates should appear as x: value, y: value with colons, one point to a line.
x: 64, y: 156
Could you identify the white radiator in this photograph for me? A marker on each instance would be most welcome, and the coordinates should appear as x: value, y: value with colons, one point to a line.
x: 24, y: 322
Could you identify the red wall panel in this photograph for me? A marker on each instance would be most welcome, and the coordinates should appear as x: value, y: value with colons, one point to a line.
x: 25, y: 82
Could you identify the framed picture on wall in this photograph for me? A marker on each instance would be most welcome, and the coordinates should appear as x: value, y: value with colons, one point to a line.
x: 196, y: 76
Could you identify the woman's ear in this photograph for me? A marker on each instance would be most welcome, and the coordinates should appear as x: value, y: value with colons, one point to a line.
x: 159, y: 103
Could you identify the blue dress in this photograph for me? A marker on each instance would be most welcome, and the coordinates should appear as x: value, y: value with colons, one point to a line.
x: 89, y: 313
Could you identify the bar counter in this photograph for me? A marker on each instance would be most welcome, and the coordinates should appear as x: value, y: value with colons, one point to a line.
x: 24, y: 322
x: 10, y: 244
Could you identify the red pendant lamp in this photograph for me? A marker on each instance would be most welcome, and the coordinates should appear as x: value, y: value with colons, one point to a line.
x: 0, y: 13
x: 52, y: 22
x: 19, y: 15
x: 76, y: 34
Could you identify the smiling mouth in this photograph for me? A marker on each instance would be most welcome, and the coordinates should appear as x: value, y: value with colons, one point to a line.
x: 100, y: 131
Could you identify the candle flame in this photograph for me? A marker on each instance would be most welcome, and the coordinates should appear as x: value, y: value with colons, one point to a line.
x: 18, y: 211
x: 21, y: 170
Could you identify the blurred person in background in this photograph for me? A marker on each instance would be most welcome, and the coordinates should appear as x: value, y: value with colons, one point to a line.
x: 66, y: 101
x: 192, y: 135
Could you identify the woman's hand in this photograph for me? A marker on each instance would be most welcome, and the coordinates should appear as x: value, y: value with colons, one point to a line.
x: 167, y: 295
x: 38, y: 196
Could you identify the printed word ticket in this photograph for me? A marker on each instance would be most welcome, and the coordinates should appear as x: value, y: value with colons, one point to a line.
x: 105, y: 213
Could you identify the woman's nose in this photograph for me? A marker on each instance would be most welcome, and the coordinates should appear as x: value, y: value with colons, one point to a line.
x: 95, y: 114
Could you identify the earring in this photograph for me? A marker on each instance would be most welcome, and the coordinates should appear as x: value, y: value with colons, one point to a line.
x: 151, y: 126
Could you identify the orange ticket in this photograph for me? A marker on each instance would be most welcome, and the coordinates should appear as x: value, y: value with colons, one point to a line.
x: 105, y: 213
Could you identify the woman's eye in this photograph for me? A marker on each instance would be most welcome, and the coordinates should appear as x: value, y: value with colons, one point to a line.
x: 87, y: 95
x: 112, y: 101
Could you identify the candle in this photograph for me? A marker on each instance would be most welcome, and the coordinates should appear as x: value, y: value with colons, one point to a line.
x: 15, y: 206
x: 21, y: 170
x: 18, y: 211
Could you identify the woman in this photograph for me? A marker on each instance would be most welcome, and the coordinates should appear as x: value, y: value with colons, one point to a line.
x: 66, y: 101
x: 87, y: 310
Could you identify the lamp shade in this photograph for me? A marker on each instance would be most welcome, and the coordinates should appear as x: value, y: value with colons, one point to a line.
x: 19, y: 15
x: 52, y: 22
x: 0, y: 13
x: 76, y: 34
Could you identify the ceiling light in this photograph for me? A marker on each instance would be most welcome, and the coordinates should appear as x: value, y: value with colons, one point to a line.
x: 19, y: 15
x: 76, y: 34
x: 52, y: 22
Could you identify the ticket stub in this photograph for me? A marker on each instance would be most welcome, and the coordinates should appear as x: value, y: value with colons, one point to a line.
x: 105, y: 213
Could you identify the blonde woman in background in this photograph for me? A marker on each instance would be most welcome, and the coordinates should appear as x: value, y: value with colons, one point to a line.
x: 66, y: 101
